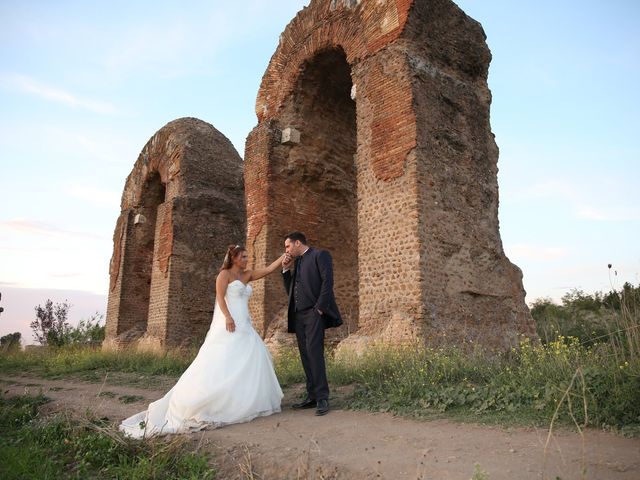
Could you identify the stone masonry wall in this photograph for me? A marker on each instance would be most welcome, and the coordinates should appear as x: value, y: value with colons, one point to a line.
x: 472, y: 293
x: 182, y: 205
x: 374, y: 139
x: 391, y: 102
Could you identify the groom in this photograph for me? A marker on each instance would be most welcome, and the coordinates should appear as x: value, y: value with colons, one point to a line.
x: 312, y: 308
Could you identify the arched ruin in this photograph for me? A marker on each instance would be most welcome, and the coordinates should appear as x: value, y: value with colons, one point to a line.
x: 182, y: 204
x: 373, y: 138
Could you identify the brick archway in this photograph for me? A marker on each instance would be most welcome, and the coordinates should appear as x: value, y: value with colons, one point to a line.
x: 428, y: 260
x: 182, y: 205
x: 133, y: 278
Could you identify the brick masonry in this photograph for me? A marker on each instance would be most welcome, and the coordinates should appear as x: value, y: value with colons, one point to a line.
x: 186, y: 191
x: 395, y: 173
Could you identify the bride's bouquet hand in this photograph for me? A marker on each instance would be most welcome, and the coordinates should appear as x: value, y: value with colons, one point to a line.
x: 230, y: 324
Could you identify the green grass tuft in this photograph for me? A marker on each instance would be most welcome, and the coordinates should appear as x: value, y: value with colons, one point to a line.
x: 59, y: 362
x: 85, y: 449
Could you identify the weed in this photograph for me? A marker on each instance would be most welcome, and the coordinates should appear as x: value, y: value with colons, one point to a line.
x: 479, y: 474
x: 130, y: 398
x: 107, y: 394
x: 85, y: 448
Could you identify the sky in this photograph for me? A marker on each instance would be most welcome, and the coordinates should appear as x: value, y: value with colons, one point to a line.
x: 84, y: 85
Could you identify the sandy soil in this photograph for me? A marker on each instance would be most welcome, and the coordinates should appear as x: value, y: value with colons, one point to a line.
x: 356, y: 445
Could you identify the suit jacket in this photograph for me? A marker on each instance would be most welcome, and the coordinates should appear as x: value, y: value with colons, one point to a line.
x: 317, y: 285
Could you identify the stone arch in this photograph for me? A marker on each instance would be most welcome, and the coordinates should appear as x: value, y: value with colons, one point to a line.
x: 182, y: 205
x: 319, y: 170
x: 430, y: 262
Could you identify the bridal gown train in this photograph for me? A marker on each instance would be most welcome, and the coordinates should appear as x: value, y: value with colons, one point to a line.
x: 231, y: 380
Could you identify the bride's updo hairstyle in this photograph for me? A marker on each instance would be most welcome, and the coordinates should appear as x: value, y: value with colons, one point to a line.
x: 232, y: 252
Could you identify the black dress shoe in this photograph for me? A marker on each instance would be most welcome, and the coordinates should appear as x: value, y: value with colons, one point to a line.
x: 306, y: 403
x: 323, y: 407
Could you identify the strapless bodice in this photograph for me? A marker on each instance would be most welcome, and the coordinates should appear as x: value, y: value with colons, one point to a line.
x: 237, y: 299
x: 238, y: 289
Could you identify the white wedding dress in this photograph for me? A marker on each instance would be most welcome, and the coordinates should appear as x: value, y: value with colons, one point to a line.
x: 231, y: 380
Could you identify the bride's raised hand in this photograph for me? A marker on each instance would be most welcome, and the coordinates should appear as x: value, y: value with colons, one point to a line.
x: 286, y: 260
x: 230, y: 324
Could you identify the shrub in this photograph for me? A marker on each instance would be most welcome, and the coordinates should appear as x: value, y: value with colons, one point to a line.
x: 591, y: 318
x: 50, y: 328
x: 88, y: 332
x: 10, y: 342
x: 50, y: 323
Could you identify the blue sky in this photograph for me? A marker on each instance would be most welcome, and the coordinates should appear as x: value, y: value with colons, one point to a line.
x: 84, y: 85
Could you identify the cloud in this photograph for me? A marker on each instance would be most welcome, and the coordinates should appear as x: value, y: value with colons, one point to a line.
x: 150, y: 45
x: 189, y: 40
x: 174, y: 47
x: 30, y: 227
x: 102, y: 146
x: 72, y: 262
x: 552, y: 188
x: 66, y: 275
x: 537, y: 253
x: 29, y: 85
x: 95, y: 195
x: 582, y: 201
x: 612, y: 214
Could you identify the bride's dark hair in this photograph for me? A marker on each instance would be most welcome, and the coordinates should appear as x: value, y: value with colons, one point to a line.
x: 232, y: 252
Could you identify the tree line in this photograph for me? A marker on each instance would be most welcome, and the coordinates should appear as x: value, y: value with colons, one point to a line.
x: 51, y: 328
x: 587, y: 317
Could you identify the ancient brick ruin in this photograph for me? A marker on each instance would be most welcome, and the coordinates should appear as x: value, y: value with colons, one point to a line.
x: 373, y: 138
x: 182, y: 204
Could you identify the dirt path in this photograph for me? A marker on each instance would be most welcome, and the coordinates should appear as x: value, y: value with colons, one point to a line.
x: 357, y: 445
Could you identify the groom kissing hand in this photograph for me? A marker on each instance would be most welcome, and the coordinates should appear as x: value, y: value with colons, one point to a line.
x: 308, y: 280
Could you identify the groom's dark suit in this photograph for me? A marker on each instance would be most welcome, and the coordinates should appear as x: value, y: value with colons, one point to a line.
x: 310, y: 289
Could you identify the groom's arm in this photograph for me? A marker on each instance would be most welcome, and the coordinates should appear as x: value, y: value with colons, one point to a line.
x: 325, y: 269
x: 286, y: 276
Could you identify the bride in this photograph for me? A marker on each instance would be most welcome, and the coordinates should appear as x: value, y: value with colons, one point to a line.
x: 231, y: 380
